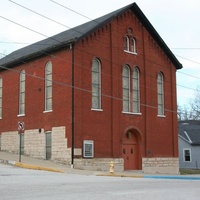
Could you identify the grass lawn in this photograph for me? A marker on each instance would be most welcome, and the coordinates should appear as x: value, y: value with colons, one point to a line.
x: 189, y: 171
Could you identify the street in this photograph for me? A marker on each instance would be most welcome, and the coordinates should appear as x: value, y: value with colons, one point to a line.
x: 24, y: 184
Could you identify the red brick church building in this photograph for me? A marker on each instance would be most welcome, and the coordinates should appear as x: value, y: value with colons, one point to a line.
x: 102, y: 91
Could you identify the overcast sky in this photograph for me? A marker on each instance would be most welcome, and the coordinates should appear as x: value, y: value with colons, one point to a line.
x: 177, y: 22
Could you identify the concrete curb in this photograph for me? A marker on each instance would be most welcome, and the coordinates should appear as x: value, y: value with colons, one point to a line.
x: 122, y: 175
x: 35, y: 167
x: 174, y: 177
x: 182, y: 177
x: 28, y: 166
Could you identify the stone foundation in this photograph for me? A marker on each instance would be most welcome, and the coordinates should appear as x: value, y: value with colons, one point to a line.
x: 99, y: 164
x: 160, y: 165
x: 35, y: 144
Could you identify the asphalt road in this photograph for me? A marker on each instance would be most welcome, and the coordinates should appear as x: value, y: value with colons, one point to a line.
x: 23, y: 184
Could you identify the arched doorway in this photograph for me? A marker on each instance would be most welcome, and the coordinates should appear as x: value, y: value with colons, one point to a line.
x: 131, y: 150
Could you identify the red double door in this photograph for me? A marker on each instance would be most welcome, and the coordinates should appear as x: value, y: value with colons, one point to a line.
x: 130, y: 156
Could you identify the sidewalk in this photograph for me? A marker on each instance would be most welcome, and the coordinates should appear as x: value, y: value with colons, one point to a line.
x: 47, y: 165
x: 39, y: 164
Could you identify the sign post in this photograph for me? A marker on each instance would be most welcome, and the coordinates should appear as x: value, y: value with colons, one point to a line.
x: 20, y: 130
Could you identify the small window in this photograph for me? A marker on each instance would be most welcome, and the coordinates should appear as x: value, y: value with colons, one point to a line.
x: 160, y: 94
x: 48, y: 87
x: 22, y: 77
x: 130, y: 44
x: 96, y: 84
x: 187, y: 155
x: 1, y: 94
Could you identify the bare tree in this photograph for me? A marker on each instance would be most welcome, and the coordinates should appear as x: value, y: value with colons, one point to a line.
x: 195, y: 105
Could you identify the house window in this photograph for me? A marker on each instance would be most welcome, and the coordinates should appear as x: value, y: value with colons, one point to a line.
x: 22, y: 77
x: 160, y: 93
x: 136, y: 90
x: 96, y: 84
x: 48, y: 86
x: 126, y: 88
x: 1, y: 91
x: 130, y: 44
x: 187, y: 155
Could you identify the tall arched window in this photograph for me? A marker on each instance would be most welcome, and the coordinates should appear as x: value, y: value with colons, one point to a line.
x: 136, y: 90
x: 126, y: 43
x: 160, y: 92
x: 132, y: 45
x: 126, y: 88
x: 1, y: 94
x: 22, y: 77
x: 48, y: 86
x: 96, y: 84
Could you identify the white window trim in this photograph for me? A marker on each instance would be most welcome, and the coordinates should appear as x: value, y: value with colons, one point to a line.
x: 129, y: 93
x: 20, y: 115
x: 100, y: 105
x: 45, y: 109
x: 22, y: 81
x: 163, y: 95
x: 131, y: 113
x: 95, y: 109
x: 184, y: 155
x: 134, y: 53
x: 138, y: 89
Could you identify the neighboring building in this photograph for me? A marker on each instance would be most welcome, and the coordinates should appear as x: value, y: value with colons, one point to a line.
x: 102, y: 91
x: 189, y: 144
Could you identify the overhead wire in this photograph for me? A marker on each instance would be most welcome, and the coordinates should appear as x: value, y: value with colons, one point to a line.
x: 34, y: 12
x: 38, y: 32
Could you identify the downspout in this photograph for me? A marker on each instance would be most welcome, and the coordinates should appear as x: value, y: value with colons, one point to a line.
x: 72, y: 149
x: 145, y: 94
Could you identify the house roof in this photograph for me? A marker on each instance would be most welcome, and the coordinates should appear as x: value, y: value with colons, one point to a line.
x: 190, y: 133
x: 75, y: 34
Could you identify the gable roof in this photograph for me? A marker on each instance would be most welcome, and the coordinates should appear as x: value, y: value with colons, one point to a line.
x: 190, y: 133
x: 73, y: 35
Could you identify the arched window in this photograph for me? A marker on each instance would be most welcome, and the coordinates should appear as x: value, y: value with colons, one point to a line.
x: 1, y: 94
x: 132, y: 45
x: 126, y: 43
x: 136, y: 90
x: 48, y: 86
x: 126, y: 88
x: 22, y: 77
x: 96, y: 84
x: 160, y: 92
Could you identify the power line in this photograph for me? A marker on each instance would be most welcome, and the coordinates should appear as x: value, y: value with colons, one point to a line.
x: 42, y: 16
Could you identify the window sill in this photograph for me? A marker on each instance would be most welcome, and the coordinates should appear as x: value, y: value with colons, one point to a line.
x: 134, y: 53
x: 131, y: 113
x: 20, y: 115
x: 96, y: 109
x: 162, y: 116
x: 47, y: 111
